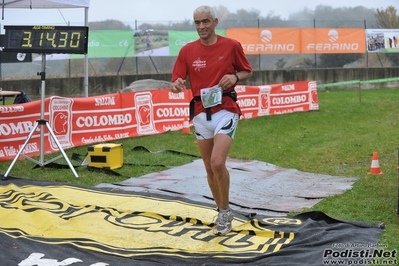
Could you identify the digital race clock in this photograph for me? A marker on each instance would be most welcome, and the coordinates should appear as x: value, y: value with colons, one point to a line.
x: 46, y: 39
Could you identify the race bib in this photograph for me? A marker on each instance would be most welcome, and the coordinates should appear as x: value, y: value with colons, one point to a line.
x: 211, y: 96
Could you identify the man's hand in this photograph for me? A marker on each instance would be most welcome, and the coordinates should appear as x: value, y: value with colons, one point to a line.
x: 178, y: 85
x: 228, y: 81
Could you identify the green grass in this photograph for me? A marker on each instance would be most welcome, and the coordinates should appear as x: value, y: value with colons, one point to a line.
x: 8, y: 100
x: 337, y: 140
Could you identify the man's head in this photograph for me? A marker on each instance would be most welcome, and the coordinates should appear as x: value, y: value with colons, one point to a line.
x: 205, y: 21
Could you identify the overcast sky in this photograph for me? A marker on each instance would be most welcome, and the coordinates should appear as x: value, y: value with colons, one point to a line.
x: 128, y: 11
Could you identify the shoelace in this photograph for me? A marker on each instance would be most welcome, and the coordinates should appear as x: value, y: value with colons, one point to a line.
x: 224, y: 217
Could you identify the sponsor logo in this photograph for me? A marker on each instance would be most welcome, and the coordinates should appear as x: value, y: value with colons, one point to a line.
x: 247, y: 102
x: 144, y: 113
x: 11, y: 109
x: 240, y: 89
x: 289, y: 87
x: 282, y: 100
x: 181, y: 43
x: 61, y: 118
x: 264, y: 100
x: 266, y: 45
x: 45, y: 206
x: 103, y: 101
x: 176, y: 96
x: 199, y: 64
x: 23, y: 127
x: 266, y: 36
x: 333, y: 37
x: 103, y: 120
x: 173, y: 112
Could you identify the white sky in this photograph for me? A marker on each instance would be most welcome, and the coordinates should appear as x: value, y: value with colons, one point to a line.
x: 128, y: 11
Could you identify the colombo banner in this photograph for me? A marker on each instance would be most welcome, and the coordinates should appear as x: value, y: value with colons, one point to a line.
x: 84, y: 121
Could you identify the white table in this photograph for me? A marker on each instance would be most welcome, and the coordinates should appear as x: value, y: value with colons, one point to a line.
x: 5, y: 94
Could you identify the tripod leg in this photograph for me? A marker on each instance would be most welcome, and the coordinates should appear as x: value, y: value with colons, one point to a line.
x: 21, y: 149
x: 61, y: 149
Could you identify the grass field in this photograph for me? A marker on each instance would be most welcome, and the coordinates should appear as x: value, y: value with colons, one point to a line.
x: 338, y: 140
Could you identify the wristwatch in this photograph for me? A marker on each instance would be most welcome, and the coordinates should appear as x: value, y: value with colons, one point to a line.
x: 238, y: 79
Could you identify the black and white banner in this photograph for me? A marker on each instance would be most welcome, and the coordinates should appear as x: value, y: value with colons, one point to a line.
x: 43, y: 223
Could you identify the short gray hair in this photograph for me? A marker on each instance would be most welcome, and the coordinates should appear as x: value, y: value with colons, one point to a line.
x: 206, y: 9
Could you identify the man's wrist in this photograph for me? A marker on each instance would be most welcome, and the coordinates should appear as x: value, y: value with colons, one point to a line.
x: 174, y: 89
x: 237, y: 77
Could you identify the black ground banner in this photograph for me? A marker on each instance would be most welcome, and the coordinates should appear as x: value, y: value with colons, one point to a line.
x: 61, y: 224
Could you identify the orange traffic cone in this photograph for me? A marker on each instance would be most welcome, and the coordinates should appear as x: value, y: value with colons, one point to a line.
x: 186, y: 126
x: 375, y: 166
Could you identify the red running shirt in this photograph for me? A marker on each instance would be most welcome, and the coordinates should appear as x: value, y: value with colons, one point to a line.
x: 206, y: 65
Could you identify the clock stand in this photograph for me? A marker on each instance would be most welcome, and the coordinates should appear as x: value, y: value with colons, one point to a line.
x: 44, y: 39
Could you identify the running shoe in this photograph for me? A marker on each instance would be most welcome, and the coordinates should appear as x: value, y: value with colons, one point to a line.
x: 223, y: 222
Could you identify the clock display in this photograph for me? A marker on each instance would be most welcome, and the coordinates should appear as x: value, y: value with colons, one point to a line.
x: 46, y: 39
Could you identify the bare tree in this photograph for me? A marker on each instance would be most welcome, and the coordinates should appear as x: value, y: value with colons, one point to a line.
x: 388, y: 18
x: 222, y: 12
x: 280, y: 63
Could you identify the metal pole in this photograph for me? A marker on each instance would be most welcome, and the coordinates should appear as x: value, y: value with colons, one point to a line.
x: 367, y: 54
x: 42, y: 100
x: 86, y: 65
x: 315, y: 56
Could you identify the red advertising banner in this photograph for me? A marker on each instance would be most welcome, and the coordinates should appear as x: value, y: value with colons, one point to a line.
x: 107, y: 118
x: 275, y: 99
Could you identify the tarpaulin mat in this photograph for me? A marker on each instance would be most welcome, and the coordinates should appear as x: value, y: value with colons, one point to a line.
x: 255, y: 186
x: 46, y: 223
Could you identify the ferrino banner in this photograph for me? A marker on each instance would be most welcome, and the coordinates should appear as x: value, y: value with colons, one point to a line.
x: 297, y: 41
x: 267, y: 41
x: 332, y: 41
x: 125, y: 43
x: 84, y: 121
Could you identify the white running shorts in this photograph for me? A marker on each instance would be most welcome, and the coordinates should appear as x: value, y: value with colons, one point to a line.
x: 222, y: 122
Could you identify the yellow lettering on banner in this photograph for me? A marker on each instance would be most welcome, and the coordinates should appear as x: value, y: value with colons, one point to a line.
x: 130, y: 225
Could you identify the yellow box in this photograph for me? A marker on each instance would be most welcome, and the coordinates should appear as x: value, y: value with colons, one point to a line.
x: 105, y: 155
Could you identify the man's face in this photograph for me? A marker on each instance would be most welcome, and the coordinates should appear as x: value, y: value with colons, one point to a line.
x: 205, y: 25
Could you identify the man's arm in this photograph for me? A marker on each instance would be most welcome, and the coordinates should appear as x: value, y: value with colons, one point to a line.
x: 242, y: 75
